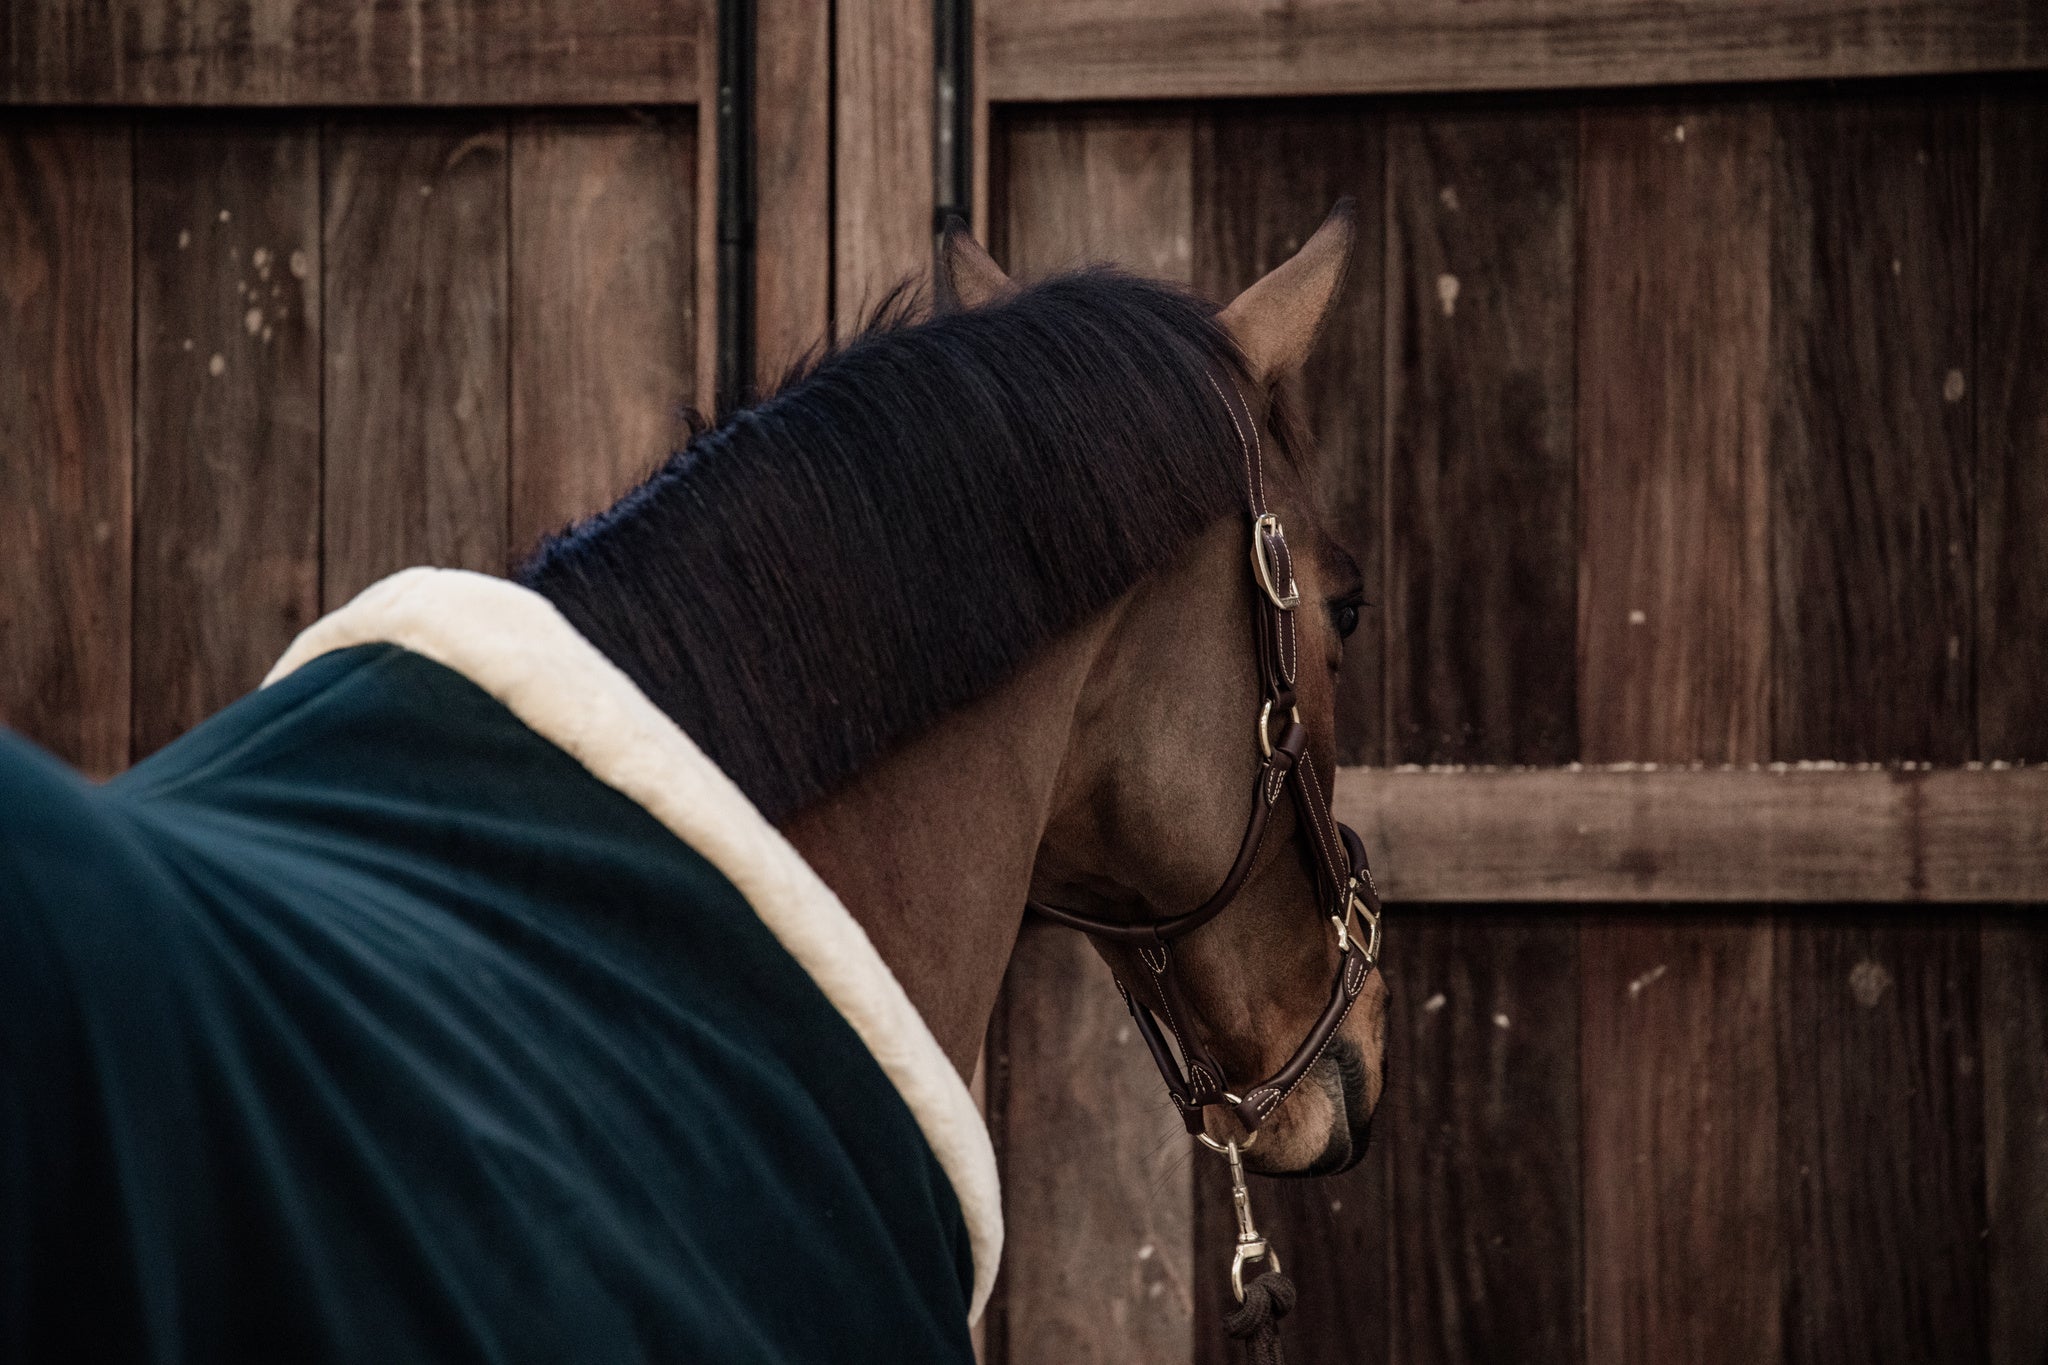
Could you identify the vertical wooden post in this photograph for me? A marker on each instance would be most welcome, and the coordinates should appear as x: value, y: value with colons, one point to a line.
x: 1680, y: 1108
x: 2012, y: 705
x: 793, y: 183
x: 882, y: 151
x: 1872, y: 483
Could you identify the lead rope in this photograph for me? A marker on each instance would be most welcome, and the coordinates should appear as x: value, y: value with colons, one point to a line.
x: 1262, y: 1303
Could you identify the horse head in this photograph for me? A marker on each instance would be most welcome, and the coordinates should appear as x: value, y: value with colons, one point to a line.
x: 1150, y: 817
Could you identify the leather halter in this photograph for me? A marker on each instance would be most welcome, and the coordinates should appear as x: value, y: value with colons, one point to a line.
x: 1343, y: 881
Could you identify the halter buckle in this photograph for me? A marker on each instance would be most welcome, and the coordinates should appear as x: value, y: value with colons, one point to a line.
x: 1262, y: 563
x: 1354, y: 904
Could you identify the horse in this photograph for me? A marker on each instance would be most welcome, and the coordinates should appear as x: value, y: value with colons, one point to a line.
x: 591, y: 963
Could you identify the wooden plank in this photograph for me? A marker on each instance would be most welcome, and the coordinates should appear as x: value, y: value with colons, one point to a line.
x: 414, y: 301
x: 793, y: 184
x: 2015, y: 1024
x: 1775, y: 834
x: 1881, y: 1140
x: 2012, y: 428
x: 1480, y: 262
x: 1871, y: 437
x: 1099, y: 1196
x: 66, y: 447
x: 2012, y: 713
x: 1680, y: 1135
x: 300, y: 52
x: 1674, y: 339
x: 882, y: 152
x: 1087, y: 187
x: 1872, y: 444
x: 1482, y: 1115
x: 1264, y: 176
x: 1200, y: 49
x: 1096, y: 1265
x: 603, y: 290
x: 227, y: 439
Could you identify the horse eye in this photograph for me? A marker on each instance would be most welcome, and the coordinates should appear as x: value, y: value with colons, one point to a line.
x: 1344, y: 616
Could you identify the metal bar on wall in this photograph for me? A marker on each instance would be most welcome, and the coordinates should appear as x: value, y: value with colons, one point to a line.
x: 952, y: 112
x: 736, y: 202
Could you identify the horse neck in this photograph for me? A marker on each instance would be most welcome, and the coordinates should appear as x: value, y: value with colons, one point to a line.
x: 931, y: 848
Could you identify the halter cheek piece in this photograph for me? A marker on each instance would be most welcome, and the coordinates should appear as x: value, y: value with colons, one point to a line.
x: 1343, y: 881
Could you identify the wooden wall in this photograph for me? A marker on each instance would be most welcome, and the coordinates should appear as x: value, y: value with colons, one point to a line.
x: 251, y: 363
x: 1681, y: 425
x: 1672, y: 428
x: 279, y: 315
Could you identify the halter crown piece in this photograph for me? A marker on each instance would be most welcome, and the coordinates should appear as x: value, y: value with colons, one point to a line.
x: 1344, y: 884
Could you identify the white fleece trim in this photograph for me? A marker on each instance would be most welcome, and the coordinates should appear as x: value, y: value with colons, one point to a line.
x: 512, y: 642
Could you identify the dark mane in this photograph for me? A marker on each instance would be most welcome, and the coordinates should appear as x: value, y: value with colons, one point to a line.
x: 893, y: 533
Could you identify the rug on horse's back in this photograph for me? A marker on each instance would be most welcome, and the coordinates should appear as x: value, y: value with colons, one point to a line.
x: 442, y: 1001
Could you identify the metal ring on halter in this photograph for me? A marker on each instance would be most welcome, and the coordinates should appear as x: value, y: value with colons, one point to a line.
x: 1290, y: 599
x: 1266, y: 727
x: 1223, y: 1148
x: 1262, y: 1252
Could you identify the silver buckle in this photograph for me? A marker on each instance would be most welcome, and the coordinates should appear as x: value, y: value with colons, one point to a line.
x: 1290, y: 599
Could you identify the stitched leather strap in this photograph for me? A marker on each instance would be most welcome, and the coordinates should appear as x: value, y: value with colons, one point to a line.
x: 1193, y: 1077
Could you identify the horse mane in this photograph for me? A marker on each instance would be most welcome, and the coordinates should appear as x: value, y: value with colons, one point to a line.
x: 901, y: 525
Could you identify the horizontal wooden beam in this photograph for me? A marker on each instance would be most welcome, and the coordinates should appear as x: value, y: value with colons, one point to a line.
x: 1775, y: 834
x: 296, y: 52
x: 1195, y: 49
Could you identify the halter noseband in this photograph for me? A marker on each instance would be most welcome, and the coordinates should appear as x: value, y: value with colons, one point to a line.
x: 1343, y: 881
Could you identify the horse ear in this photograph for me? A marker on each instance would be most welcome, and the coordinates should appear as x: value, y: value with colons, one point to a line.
x: 968, y: 276
x: 1275, y: 322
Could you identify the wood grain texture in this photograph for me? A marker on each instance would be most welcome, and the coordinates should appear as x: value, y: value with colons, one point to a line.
x: 1481, y: 1114
x: 1481, y: 465
x: 1088, y: 186
x: 793, y: 183
x: 66, y: 447
x: 2012, y: 427
x: 227, y: 439
x: 309, y: 52
x: 1680, y: 1130
x: 1957, y: 836
x: 882, y: 152
x: 1096, y: 1171
x: 1872, y: 430
x: 1680, y: 1138
x: 2015, y: 986
x: 1100, y: 1201
x: 1674, y: 517
x: 1265, y: 175
x: 415, y: 420
x: 1881, y: 1139
x: 1872, y: 442
x: 1196, y: 49
x: 603, y: 305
